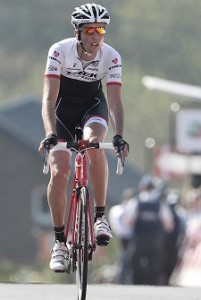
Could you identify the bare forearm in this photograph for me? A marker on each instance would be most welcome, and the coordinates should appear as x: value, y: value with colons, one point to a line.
x: 117, y: 118
x: 116, y: 109
x: 50, y: 93
x: 48, y: 115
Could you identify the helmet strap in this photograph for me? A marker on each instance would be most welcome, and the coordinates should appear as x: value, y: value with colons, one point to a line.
x: 80, y: 41
x: 79, y: 34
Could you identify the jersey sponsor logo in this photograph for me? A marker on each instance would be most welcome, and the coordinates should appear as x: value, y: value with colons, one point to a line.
x: 95, y: 63
x: 93, y: 66
x: 115, y: 61
x: 83, y: 75
x: 115, y: 76
x: 53, y: 58
x: 52, y: 68
x: 73, y: 69
x: 56, y: 54
x: 92, y: 69
x: 116, y: 66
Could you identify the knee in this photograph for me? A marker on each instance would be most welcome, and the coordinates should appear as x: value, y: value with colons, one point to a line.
x: 60, y: 175
x: 97, y: 156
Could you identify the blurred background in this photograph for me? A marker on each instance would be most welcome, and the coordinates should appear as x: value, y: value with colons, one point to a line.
x: 157, y: 40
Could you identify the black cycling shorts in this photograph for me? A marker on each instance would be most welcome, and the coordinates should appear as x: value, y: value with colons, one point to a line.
x: 72, y: 111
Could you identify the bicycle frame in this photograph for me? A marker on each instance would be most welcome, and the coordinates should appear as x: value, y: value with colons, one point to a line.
x: 79, y: 233
x: 80, y: 179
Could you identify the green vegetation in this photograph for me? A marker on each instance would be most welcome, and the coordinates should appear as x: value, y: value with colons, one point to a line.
x: 159, y: 38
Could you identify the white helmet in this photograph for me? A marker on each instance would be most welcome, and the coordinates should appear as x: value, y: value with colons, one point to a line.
x: 89, y: 13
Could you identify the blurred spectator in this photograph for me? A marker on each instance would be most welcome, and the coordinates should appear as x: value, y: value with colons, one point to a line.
x: 188, y: 270
x: 151, y: 218
x: 174, y: 238
x: 123, y: 230
x: 190, y: 203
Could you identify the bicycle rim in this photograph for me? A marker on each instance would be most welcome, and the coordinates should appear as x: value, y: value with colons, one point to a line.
x: 83, y: 245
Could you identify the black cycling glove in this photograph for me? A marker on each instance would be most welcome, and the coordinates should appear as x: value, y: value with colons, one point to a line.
x: 50, y: 141
x: 119, y: 142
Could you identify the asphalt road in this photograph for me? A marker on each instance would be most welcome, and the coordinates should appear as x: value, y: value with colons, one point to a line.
x: 96, y: 292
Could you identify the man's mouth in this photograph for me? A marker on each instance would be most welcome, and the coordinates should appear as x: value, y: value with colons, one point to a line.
x: 94, y: 44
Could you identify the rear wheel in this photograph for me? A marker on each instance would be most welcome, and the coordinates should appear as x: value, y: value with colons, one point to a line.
x: 82, y: 245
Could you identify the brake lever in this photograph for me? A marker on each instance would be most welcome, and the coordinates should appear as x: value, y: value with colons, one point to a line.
x: 46, y: 160
x: 121, y: 159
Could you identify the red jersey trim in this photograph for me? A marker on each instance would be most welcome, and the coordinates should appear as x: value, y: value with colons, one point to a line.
x: 52, y: 76
x: 114, y: 83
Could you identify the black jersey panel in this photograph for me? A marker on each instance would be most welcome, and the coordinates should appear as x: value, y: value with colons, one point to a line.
x: 77, y: 88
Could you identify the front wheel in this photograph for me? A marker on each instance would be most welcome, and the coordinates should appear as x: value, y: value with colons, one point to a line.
x: 82, y: 244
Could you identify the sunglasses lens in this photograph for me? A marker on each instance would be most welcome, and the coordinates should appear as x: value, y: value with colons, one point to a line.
x: 91, y: 30
x: 100, y: 30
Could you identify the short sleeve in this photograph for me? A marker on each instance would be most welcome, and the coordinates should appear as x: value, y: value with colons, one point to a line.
x: 54, y: 63
x: 114, y: 75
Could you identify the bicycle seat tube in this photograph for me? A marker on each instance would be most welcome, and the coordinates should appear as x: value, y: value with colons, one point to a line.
x: 81, y: 169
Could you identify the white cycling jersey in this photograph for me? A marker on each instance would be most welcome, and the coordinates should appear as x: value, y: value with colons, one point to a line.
x: 63, y: 60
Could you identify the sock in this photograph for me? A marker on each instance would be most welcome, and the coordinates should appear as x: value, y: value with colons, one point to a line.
x: 59, y: 234
x: 99, y: 212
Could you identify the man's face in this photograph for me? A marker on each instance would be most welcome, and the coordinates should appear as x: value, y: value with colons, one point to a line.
x: 92, y: 36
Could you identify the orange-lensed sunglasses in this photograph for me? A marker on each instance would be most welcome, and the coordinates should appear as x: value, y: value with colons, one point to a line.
x: 91, y: 30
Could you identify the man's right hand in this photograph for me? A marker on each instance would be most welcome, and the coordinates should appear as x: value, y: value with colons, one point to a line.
x: 50, y: 141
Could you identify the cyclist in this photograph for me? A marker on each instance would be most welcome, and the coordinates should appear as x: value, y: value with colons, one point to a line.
x: 73, y: 94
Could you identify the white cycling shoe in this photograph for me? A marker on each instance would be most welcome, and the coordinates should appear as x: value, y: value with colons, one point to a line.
x: 58, y: 262
x: 102, y: 231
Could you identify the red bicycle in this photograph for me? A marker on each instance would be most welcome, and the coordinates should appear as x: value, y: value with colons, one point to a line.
x: 80, y: 237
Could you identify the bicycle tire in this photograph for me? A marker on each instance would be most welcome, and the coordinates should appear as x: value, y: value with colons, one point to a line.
x: 83, y: 245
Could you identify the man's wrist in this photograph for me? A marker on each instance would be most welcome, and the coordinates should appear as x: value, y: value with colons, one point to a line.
x: 117, y: 136
x: 51, y: 135
x: 116, y: 140
x: 51, y: 140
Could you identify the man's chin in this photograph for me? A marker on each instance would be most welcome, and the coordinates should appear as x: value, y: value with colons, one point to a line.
x: 94, y: 49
